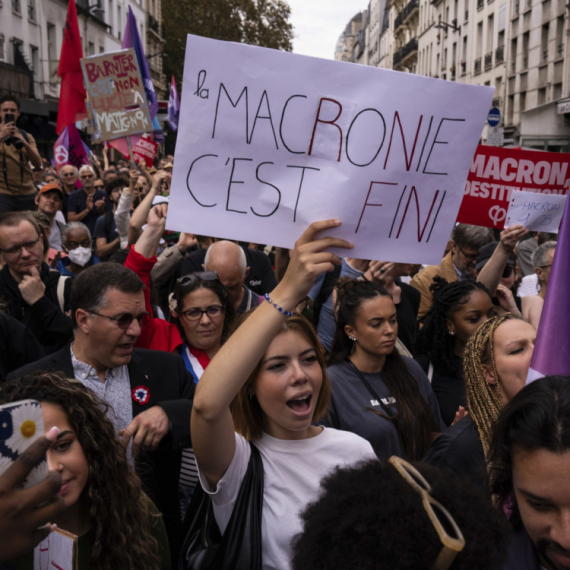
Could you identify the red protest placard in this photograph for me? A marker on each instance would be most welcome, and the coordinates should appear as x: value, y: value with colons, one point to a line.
x: 496, y: 172
x: 145, y: 150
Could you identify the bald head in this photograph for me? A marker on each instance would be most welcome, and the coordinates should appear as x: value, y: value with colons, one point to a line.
x: 228, y: 260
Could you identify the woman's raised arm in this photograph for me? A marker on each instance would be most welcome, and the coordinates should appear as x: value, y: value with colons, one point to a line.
x: 212, y: 427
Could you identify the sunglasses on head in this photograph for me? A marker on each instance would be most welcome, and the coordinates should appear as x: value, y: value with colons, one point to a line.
x: 198, y: 276
x: 439, y: 516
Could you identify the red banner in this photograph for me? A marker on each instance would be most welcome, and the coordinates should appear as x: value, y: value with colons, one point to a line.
x: 496, y: 172
x: 145, y: 150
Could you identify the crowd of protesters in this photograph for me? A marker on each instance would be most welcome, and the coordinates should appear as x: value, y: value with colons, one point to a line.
x: 387, y: 401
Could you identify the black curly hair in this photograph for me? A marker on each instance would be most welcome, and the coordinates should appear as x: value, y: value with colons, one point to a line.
x: 368, y: 517
x: 433, y: 338
x: 119, y: 511
x: 538, y: 417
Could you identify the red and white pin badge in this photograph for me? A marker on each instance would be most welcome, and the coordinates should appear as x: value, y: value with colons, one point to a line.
x: 141, y: 395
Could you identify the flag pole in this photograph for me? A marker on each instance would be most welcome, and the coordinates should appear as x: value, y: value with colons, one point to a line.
x: 133, y: 163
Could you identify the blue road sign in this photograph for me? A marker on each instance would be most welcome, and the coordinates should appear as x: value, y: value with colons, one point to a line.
x: 494, y: 117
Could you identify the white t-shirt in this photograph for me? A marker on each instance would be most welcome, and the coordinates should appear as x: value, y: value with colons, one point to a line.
x: 293, y: 470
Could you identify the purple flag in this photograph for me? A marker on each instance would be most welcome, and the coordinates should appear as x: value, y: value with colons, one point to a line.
x: 173, y: 106
x: 70, y: 148
x: 132, y: 39
x: 552, y: 348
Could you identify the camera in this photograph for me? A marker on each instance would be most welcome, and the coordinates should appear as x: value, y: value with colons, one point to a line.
x: 18, y: 144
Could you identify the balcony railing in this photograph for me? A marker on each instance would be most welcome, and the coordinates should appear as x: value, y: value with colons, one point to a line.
x: 403, y: 52
x: 488, y: 60
x: 153, y: 24
x: 500, y: 54
x: 409, y: 8
x: 477, y: 66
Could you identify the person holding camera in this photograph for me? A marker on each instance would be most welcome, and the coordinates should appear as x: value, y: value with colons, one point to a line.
x: 17, y: 150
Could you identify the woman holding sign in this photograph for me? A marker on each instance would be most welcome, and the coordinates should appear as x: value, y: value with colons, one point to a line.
x: 116, y: 524
x: 268, y: 385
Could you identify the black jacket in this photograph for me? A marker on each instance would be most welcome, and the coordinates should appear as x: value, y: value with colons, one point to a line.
x: 172, y: 388
x: 44, y: 318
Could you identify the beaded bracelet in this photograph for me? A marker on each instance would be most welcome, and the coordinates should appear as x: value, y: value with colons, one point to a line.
x: 281, y: 309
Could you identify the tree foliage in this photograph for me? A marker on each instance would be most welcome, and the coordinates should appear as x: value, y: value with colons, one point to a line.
x: 256, y: 22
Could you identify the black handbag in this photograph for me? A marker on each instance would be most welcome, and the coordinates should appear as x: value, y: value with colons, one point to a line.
x: 203, y: 546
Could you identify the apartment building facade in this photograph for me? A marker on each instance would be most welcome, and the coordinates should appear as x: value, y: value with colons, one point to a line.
x: 519, y: 47
x: 31, y: 35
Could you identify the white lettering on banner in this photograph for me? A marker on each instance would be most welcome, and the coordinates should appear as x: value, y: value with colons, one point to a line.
x: 270, y: 141
x: 521, y: 171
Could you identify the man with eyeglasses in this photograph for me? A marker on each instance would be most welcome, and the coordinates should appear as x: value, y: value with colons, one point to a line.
x: 87, y: 203
x: 34, y: 294
x: 457, y: 265
x: 149, y: 392
x: 17, y: 150
x: 68, y: 175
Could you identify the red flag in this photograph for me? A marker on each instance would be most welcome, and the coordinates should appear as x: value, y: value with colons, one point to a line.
x: 72, y: 95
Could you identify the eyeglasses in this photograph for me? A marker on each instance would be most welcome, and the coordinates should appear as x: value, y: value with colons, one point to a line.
x: 124, y: 321
x: 195, y: 314
x: 75, y: 244
x: 17, y: 249
x: 545, y: 266
x: 452, y: 545
x: 467, y: 256
x: 508, y: 270
x: 86, y: 175
x: 198, y: 276
x: 99, y: 186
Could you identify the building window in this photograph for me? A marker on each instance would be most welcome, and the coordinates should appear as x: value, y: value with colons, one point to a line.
x: 91, y: 48
x: 32, y: 10
x: 557, y: 91
x: 2, y: 48
x: 522, y: 101
x: 542, y: 96
x: 17, y: 6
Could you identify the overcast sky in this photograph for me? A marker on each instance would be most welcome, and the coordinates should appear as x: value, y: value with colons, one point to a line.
x: 317, y: 24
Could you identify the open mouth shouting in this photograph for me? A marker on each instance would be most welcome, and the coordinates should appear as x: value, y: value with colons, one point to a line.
x: 301, y: 405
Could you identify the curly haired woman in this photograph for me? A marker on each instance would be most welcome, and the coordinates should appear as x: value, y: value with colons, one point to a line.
x: 116, y: 524
x: 458, y: 309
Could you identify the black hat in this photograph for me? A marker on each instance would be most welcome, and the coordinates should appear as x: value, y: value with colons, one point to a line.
x: 485, y: 253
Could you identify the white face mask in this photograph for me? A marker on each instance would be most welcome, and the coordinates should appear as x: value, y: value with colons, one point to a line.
x: 80, y: 256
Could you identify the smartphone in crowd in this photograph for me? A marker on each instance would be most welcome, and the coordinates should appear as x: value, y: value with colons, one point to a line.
x: 9, y: 118
x: 21, y: 423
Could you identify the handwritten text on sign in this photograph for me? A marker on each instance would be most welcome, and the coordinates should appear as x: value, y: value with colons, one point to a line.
x: 116, y: 94
x: 498, y: 173
x: 537, y: 212
x: 270, y: 141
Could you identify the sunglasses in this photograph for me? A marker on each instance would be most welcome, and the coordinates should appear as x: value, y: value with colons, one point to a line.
x: 195, y: 314
x: 451, y: 545
x: 468, y: 256
x: 198, y: 276
x: 69, y: 174
x: 125, y: 320
x: 98, y: 186
x: 507, y: 271
x: 86, y: 175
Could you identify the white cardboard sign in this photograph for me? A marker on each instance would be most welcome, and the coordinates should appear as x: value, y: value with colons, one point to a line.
x: 57, y: 552
x: 537, y: 212
x: 271, y: 141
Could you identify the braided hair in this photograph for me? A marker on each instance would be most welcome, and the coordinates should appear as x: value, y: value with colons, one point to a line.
x: 484, y: 401
x: 414, y: 421
x: 434, y: 338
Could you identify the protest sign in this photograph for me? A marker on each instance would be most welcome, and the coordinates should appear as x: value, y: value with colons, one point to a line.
x: 497, y: 172
x: 537, y: 212
x: 145, y: 150
x: 270, y: 141
x: 58, y: 550
x: 117, y: 102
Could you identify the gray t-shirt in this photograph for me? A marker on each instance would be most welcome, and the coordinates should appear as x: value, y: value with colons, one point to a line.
x: 352, y: 406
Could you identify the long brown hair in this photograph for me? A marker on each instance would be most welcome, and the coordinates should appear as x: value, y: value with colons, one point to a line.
x: 246, y: 411
x: 414, y: 421
x: 118, y: 509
